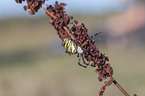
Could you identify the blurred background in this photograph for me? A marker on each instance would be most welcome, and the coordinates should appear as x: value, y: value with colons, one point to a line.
x: 33, y: 62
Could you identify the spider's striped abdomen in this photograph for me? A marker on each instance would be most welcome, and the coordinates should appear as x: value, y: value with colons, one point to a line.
x: 69, y: 45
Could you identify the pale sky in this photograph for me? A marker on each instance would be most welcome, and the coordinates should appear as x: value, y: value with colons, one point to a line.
x: 9, y: 8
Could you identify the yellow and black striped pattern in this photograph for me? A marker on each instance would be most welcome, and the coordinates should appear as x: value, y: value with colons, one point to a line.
x: 69, y: 45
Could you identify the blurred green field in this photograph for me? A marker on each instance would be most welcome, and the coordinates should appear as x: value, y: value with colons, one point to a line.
x: 29, y: 67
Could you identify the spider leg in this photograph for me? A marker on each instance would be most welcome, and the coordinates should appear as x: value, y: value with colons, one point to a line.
x: 80, y: 60
x: 90, y: 38
x: 85, y: 61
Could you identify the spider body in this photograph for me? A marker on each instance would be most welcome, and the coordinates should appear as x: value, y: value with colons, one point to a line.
x: 73, y: 48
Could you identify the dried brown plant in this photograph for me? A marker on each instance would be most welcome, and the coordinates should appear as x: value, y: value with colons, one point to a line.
x: 78, y: 34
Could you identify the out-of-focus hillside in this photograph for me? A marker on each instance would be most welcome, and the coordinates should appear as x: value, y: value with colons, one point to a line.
x: 21, y: 37
x: 33, y: 62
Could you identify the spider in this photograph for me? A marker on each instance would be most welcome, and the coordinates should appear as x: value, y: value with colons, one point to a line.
x: 73, y: 48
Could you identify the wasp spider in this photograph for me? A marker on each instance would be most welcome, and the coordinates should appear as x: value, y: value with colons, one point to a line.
x: 71, y: 47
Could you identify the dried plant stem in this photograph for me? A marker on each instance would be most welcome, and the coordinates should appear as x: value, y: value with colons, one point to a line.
x: 67, y: 30
x: 51, y: 15
x: 54, y: 17
x: 119, y: 87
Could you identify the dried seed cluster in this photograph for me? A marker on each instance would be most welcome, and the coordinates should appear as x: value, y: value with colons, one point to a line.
x: 81, y: 38
x: 78, y: 34
x: 33, y: 5
x: 19, y: 1
x: 62, y: 19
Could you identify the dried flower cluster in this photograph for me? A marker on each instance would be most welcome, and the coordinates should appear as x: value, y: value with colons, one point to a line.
x: 79, y: 35
x: 62, y: 19
x: 19, y: 1
x: 33, y: 5
x: 81, y: 38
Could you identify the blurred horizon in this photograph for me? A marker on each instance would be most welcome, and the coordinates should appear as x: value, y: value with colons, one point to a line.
x: 11, y: 10
x: 33, y: 62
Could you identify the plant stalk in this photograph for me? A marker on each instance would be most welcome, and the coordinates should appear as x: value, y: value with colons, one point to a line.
x: 54, y: 17
x: 119, y: 87
x: 66, y: 29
